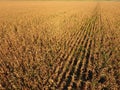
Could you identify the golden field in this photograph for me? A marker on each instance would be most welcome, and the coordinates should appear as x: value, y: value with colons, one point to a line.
x: 59, y: 45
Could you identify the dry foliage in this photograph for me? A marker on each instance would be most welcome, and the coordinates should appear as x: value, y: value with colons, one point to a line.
x: 59, y: 45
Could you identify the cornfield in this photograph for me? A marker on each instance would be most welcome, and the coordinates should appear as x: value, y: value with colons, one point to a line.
x: 59, y: 45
